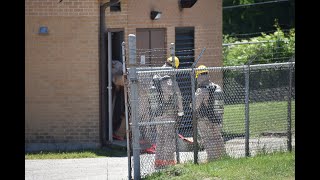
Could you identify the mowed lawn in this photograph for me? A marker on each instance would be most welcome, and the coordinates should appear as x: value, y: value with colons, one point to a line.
x: 263, y: 117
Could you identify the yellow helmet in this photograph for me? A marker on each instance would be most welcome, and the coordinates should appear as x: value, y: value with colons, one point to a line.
x: 201, y: 69
x: 176, y: 61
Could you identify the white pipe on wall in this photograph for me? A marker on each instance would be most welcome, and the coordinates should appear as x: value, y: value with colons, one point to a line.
x: 110, y: 86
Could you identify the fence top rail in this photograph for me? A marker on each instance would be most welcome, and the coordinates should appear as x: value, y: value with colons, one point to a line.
x: 162, y: 69
x: 253, y: 42
x: 286, y: 64
x: 271, y: 65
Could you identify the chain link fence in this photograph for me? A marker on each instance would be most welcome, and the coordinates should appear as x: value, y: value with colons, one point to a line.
x: 199, y: 115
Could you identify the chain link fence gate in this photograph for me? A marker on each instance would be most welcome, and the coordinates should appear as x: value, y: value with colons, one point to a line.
x: 257, y: 116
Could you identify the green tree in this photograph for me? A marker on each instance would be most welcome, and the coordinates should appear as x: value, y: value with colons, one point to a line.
x: 257, y: 18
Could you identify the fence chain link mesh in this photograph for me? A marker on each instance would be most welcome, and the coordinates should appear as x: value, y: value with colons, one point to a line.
x: 165, y: 138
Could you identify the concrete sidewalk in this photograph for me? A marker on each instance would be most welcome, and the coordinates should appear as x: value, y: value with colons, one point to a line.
x: 108, y: 168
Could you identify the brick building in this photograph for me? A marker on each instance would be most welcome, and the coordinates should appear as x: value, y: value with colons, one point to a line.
x: 63, y: 73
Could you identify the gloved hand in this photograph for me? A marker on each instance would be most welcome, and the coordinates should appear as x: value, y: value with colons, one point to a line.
x: 160, y: 78
x: 180, y: 114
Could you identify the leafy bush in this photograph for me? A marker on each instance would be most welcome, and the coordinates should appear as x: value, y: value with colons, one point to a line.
x: 279, y: 48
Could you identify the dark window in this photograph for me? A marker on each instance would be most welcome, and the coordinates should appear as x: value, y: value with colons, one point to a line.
x: 184, y: 50
x: 115, y: 7
x: 184, y: 44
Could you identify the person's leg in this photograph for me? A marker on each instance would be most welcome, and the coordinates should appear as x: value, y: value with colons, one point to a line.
x: 121, y: 132
x: 165, y: 143
x: 120, y: 113
x: 145, y: 118
x: 220, y: 149
x: 212, y: 139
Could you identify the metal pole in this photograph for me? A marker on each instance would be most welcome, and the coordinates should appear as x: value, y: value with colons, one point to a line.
x: 194, y: 119
x: 126, y: 108
x: 172, y: 54
x: 177, y: 145
x: 110, y: 86
x: 247, y: 79
x: 196, y: 61
x: 289, y: 140
x: 134, y: 105
x: 103, y: 77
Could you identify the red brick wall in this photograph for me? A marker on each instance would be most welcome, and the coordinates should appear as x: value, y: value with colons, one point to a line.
x: 205, y: 16
x: 62, y: 68
x: 62, y: 73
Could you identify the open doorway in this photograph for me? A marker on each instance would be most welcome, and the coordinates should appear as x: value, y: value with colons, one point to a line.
x: 116, y: 42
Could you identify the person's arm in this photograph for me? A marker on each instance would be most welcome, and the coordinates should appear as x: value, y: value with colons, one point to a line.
x: 179, y: 98
x: 201, y: 97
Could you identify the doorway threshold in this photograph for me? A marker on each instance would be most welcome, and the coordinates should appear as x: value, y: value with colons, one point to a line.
x: 120, y: 143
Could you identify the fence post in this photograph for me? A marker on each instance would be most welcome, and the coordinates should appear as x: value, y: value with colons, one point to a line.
x: 289, y: 136
x: 247, y: 81
x: 134, y: 105
x: 172, y: 54
x: 194, y: 119
x: 126, y: 108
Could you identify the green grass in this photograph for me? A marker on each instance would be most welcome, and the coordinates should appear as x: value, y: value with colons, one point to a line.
x: 280, y: 165
x: 265, y: 116
x: 86, y: 153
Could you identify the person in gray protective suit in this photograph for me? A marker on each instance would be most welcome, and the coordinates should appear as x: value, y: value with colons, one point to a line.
x: 166, y: 110
x: 209, y: 112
